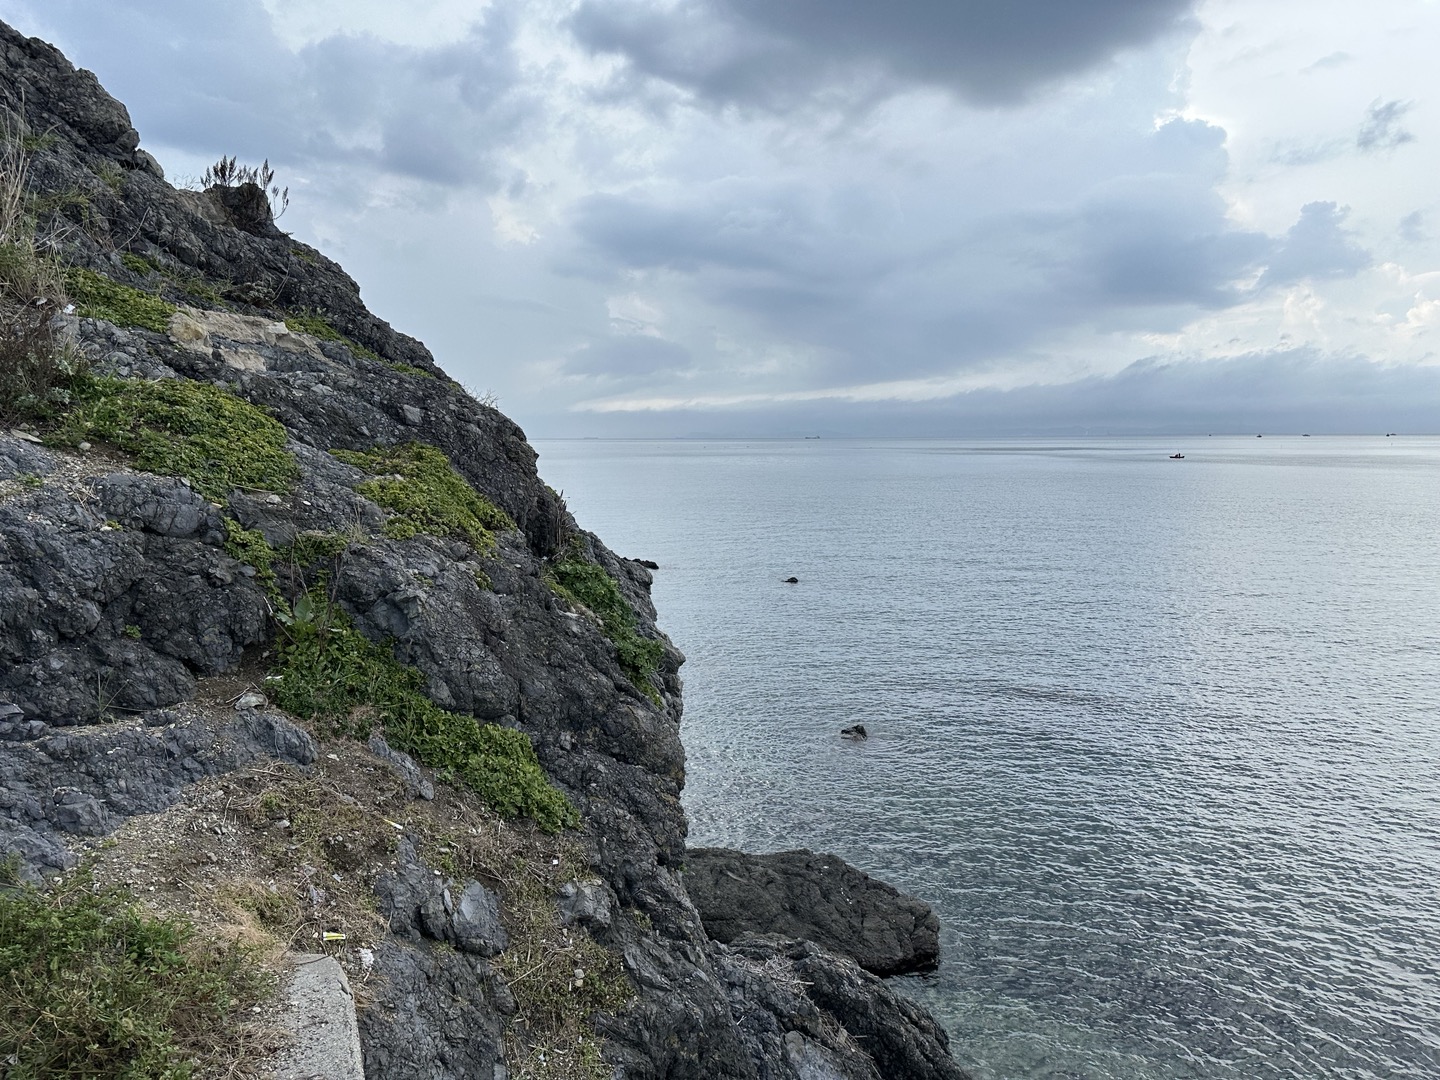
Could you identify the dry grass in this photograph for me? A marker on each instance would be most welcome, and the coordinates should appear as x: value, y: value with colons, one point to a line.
x: 37, y: 363
x: 278, y: 859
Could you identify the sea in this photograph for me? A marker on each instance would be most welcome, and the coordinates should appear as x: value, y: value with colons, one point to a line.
x: 1158, y: 738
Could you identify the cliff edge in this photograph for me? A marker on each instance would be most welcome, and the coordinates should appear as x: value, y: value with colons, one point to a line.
x: 296, y: 646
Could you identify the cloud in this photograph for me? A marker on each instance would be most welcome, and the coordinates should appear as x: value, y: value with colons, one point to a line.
x: 627, y: 356
x: 1316, y: 247
x: 1412, y: 228
x: 771, y: 55
x: 1331, y: 60
x: 215, y: 79
x: 1381, y: 129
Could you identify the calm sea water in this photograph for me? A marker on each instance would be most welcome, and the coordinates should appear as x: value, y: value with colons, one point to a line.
x: 1160, y: 740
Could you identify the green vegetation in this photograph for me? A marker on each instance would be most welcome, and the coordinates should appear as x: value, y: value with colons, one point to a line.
x: 176, y: 427
x: 332, y: 675
x: 249, y: 546
x: 582, y: 582
x: 111, y: 175
x: 138, y: 264
x: 98, y: 297
x: 426, y: 495
x: 317, y: 326
x: 132, y: 631
x: 92, y: 988
x: 31, y: 143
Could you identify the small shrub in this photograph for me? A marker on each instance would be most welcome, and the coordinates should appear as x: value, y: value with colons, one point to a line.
x: 426, y: 495
x: 98, y: 297
x: 333, y: 675
x: 37, y: 365
x: 582, y: 582
x: 176, y: 427
x: 92, y: 988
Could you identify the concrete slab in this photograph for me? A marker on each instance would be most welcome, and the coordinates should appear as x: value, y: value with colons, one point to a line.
x: 320, y: 1016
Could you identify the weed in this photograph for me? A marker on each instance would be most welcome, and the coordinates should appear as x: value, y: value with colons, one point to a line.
x: 582, y: 582
x: 333, y: 675
x: 176, y: 427
x: 132, y: 631
x: 426, y: 495
x: 30, y: 479
x: 228, y: 173
x: 32, y: 143
x: 93, y: 988
x: 111, y: 175
x: 99, y: 297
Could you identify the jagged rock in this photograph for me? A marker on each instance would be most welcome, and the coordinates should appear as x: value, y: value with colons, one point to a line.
x: 899, y: 1038
x: 819, y: 898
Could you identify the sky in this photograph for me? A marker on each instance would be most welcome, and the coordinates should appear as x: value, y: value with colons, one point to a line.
x: 706, y: 218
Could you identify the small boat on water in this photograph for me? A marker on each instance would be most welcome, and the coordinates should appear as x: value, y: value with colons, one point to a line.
x: 1177, y: 457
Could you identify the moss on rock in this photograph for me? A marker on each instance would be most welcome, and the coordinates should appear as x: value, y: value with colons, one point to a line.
x: 426, y: 495
x: 98, y: 297
x: 582, y: 582
x: 176, y: 427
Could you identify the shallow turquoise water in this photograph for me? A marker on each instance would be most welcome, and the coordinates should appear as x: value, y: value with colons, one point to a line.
x: 1159, y: 739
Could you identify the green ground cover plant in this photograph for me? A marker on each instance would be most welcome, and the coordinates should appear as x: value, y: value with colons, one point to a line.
x: 425, y: 494
x: 335, y: 677
x: 94, y: 988
x: 176, y: 427
x: 98, y: 297
x: 582, y: 582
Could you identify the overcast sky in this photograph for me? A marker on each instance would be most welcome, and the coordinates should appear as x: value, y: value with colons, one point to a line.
x: 784, y: 217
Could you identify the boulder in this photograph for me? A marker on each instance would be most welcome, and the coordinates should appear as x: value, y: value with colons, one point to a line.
x: 818, y: 898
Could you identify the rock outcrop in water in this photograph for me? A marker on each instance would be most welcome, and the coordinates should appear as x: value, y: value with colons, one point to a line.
x: 138, y: 610
x: 819, y: 898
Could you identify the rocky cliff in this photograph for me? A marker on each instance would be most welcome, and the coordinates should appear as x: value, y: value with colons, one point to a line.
x: 295, y: 643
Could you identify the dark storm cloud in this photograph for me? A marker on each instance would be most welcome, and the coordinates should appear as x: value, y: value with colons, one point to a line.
x: 214, y: 78
x: 1317, y: 246
x: 1381, y: 129
x: 886, y: 294
x: 768, y: 53
x: 628, y: 355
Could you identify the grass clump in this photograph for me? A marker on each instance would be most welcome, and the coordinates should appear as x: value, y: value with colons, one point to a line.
x: 98, y: 297
x: 332, y: 674
x: 426, y: 495
x: 176, y: 427
x: 93, y: 988
x: 582, y: 582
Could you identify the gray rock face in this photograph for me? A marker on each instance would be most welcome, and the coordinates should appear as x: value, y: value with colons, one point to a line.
x: 85, y: 781
x: 900, y: 1038
x: 422, y: 905
x: 116, y: 594
x: 819, y: 898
